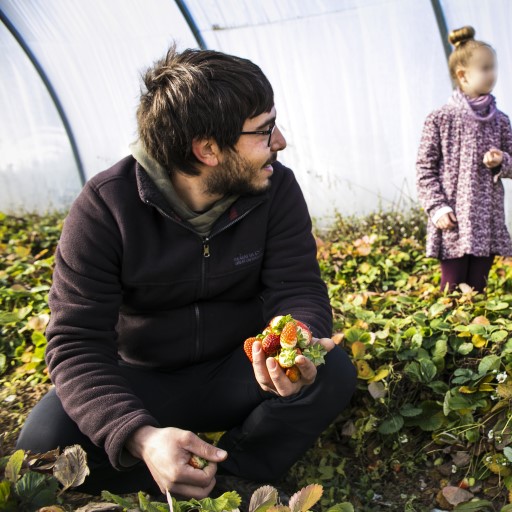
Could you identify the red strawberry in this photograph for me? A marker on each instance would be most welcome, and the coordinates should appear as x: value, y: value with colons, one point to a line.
x: 248, y: 347
x: 270, y: 344
x: 293, y: 373
x: 289, y: 335
x: 198, y: 462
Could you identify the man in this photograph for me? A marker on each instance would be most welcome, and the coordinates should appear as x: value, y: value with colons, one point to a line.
x: 167, y: 262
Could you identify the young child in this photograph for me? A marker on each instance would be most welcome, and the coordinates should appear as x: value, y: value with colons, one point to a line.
x: 465, y: 150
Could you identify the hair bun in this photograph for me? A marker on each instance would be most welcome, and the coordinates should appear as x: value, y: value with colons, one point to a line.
x: 462, y: 35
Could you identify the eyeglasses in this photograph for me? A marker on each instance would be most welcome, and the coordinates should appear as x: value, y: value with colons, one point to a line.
x: 268, y: 132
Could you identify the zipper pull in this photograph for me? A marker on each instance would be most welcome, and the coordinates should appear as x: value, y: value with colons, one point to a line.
x: 206, y: 248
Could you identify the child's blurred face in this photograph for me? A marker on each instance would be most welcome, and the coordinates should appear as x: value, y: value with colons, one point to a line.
x: 480, y: 76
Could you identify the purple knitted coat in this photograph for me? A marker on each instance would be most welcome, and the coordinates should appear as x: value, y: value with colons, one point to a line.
x: 450, y: 172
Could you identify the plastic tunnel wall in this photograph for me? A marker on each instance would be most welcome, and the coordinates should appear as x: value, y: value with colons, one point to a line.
x: 353, y: 81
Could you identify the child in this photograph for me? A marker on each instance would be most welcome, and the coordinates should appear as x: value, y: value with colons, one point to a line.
x: 465, y: 150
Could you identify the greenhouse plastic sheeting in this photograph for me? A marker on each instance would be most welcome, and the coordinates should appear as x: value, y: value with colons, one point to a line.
x: 353, y: 80
x: 93, y: 53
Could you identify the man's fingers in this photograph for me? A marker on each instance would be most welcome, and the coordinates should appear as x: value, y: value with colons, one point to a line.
x: 327, y: 343
x: 307, y: 368
x: 197, y: 446
x: 260, y: 367
x: 280, y: 381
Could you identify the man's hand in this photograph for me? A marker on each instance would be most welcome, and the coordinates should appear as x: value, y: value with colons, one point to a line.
x: 447, y: 221
x: 166, y: 452
x: 493, y: 158
x: 271, y: 377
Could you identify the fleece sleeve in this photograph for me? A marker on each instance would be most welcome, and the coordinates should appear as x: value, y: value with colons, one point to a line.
x: 428, y: 183
x: 290, y: 274
x: 81, y: 352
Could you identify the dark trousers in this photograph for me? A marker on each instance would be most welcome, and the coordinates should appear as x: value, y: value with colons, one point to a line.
x: 265, y: 434
x: 472, y: 270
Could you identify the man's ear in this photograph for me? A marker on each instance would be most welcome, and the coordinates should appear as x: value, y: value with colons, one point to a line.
x: 206, y: 151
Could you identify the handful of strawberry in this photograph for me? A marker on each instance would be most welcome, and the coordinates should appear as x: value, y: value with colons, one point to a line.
x: 285, y: 338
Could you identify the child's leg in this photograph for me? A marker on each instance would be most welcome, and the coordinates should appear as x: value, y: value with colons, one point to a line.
x: 454, y: 271
x: 478, y: 271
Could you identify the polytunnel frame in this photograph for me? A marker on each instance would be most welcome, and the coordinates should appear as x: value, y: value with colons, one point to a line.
x: 51, y: 91
x: 187, y: 15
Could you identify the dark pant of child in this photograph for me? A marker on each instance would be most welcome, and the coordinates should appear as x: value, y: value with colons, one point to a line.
x: 265, y: 434
x: 472, y: 270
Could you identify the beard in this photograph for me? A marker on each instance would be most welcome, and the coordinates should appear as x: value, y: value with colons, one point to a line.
x: 237, y: 176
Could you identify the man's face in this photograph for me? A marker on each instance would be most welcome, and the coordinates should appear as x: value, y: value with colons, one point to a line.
x: 247, y: 168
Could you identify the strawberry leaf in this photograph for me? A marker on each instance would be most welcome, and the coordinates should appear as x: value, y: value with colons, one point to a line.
x: 226, y: 502
x: 13, y: 467
x: 263, y: 498
x: 304, y: 499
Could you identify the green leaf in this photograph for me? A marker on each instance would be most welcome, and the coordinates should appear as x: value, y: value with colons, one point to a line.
x: 475, y: 506
x: 226, y: 502
x: 409, y: 410
x: 465, y: 348
x: 437, y: 309
x: 439, y: 387
x: 428, y: 370
x: 12, y: 470
x: 507, y: 451
x: 3, y: 363
x: 123, y: 502
x: 412, y: 370
x: 36, y: 490
x: 391, y: 425
x: 440, y: 348
x: 148, y: 506
x: 489, y: 363
x: 499, y: 336
x: 494, y: 305
x: 342, y: 507
x: 5, y: 492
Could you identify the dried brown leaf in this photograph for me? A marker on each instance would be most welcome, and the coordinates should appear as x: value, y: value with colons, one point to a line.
x: 71, y: 467
x: 455, y: 495
x: 264, y: 497
x: 305, y: 498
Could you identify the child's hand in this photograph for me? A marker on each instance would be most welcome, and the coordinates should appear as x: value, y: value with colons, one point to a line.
x: 493, y: 158
x: 447, y: 221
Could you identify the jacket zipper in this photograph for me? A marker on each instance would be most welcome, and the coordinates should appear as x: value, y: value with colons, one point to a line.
x: 206, y: 254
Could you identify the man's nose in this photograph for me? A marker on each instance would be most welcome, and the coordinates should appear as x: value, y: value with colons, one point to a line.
x: 278, y: 142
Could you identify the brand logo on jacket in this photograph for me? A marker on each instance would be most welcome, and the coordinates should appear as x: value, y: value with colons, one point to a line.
x: 249, y: 257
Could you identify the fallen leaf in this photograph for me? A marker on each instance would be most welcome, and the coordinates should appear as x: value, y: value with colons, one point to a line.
x: 364, y: 370
x: 338, y: 338
x: 377, y: 390
x: 358, y: 349
x: 455, y: 495
x: 71, y: 467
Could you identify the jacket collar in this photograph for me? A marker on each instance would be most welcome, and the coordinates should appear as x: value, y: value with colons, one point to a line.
x: 150, y: 195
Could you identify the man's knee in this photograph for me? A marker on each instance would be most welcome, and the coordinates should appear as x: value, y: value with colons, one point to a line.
x: 48, y: 427
x: 337, y: 378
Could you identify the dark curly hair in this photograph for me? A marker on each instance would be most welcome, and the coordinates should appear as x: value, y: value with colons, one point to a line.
x: 198, y: 94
